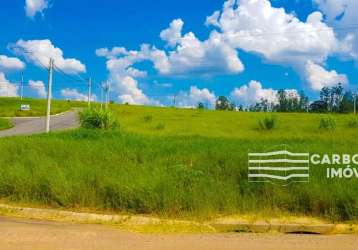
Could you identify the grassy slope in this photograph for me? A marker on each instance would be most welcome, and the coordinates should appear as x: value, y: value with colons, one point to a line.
x: 5, y: 124
x: 10, y: 107
x: 177, y: 162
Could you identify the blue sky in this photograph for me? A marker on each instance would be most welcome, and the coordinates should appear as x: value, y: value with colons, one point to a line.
x: 245, y: 70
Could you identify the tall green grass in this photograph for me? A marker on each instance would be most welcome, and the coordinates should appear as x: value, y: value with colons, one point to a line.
x: 196, y: 165
x: 172, y: 176
x: 5, y: 124
x: 327, y: 123
x: 97, y: 119
x: 268, y: 123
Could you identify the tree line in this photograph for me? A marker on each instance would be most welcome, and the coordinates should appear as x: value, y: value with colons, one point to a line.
x: 332, y: 100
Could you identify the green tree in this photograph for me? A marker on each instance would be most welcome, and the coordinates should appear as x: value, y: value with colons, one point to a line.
x: 304, y: 101
x: 201, y: 105
x: 282, y: 101
x: 287, y: 101
x: 262, y: 106
x: 337, y: 97
x: 318, y: 107
x: 347, y: 103
x: 222, y: 103
x: 325, y: 96
x: 333, y: 97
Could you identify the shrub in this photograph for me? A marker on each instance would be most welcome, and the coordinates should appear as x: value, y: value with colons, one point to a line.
x: 148, y: 118
x: 160, y: 126
x: 327, y: 123
x: 352, y: 123
x: 20, y: 113
x: 201, y: 106
x: 268, y: 123
x: 97, y: 119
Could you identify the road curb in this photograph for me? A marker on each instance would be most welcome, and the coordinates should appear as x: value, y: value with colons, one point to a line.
x: 41, y: 213
x: 286, y: 225
x: 140, y: 222
x: 280, y: 228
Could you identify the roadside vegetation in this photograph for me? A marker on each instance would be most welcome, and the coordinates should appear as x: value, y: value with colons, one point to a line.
x: 98, y: 119
x: 174, y: 162
x: 5, y: 124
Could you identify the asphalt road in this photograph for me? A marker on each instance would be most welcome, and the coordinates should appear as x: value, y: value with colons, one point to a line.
x: 30, y: 126
x: 39, y: 235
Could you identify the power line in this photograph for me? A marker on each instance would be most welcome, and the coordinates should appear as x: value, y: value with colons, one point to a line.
x: 68, y: 76
x: 55, y: 67
x: 79, y: 76
x: 36, y: 59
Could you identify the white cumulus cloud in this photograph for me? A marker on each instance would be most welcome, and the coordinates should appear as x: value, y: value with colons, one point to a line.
x: 343, y: 13
x: 39, y: 87
x: 116, y: 51
x: 252, y: 93
x: 39, y: 53
x: 195, y: 96
x: 128, y: 90
x: 7, y: 88
x: 32, y: 7
x: 280, y: 37
x: 74, y: 94
x: 208, y: 57
x: 318, y: 77
x: 123, y: 75
x: 173, y: 34
x: 10, y: 63
x: 256, y: 26
x: 188, y: 55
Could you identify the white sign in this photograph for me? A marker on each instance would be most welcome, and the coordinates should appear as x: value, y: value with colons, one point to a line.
x: 25, y: 107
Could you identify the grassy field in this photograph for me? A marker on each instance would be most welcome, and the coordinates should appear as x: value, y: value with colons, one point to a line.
x: 176, y: 163
x: 5, y: 124
x: 10, y: 107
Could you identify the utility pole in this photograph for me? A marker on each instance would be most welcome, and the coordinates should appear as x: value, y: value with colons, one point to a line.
x: 89, y: 92
x: 174, y: 100
x: 49, y: 96
x: 107, y: 94
x: 355, y: 103
x: 22, y: 86
x: 101, y: 95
